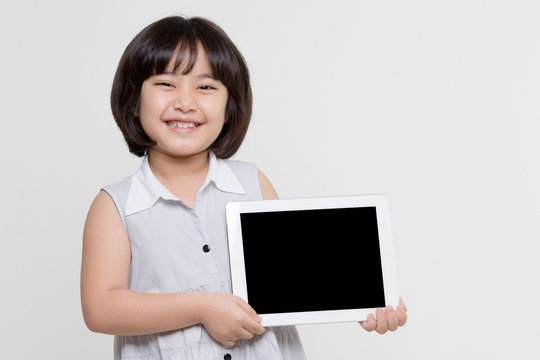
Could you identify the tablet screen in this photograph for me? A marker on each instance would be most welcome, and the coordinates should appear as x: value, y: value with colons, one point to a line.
x: 312, y: 260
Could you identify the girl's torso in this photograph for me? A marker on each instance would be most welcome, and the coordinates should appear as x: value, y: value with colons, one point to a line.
x: 178, y: 248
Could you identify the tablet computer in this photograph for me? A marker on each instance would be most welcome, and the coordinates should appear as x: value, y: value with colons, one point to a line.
x: 313, y: 260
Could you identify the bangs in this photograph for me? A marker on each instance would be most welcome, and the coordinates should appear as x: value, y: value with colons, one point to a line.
x: 171, y: 47
x: 174, y: 45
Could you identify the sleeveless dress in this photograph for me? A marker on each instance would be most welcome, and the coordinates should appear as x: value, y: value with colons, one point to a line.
x: 177, y: 248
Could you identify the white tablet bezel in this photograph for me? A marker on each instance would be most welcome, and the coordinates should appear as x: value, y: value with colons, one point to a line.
x: 236, y: 252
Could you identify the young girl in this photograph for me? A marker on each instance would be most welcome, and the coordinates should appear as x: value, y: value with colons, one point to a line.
x: 155, y: 267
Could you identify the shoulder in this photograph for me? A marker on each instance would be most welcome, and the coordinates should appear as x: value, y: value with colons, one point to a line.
x: 115, y: 194
x: 239, y: 166
x: 119, y: 186
x: 119, y: 191
x: 247, y: 170
x: 244, y: 172
x: 103, y: 213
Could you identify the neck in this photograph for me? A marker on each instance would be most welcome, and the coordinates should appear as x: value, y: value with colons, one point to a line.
x: 175, y: 170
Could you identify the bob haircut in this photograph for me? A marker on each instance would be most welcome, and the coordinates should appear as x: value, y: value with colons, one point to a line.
x: 149, y: 54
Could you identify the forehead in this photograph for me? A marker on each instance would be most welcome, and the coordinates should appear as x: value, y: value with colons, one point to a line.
x: 187, y: 59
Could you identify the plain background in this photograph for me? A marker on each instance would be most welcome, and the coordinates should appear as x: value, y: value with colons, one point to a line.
x: 434, y: 103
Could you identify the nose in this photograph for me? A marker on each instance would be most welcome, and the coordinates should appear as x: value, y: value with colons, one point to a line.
x: 184, y: 101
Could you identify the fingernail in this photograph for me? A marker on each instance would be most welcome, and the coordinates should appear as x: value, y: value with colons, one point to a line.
x: 388, y: 308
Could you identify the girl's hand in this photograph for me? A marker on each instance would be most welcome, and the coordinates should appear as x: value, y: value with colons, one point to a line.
x: 387, y: 319
x: 228, y: 318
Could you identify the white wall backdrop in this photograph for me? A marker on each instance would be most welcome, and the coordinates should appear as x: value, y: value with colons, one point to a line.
x: 435, y: 103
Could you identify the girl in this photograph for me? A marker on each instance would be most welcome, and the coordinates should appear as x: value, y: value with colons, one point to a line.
x: 155, y: 267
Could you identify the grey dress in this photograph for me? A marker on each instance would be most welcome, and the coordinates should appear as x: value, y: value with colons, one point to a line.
x: 177, y: 248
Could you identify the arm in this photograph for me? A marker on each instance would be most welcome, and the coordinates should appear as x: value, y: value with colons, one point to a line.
x: 267, y: 190
x: 110, y: 307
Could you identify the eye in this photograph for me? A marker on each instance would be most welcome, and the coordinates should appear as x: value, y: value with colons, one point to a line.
x: 206, y: 87
x: 165, y: 84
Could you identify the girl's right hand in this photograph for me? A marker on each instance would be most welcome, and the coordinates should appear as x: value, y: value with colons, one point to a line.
x: 228, y: 318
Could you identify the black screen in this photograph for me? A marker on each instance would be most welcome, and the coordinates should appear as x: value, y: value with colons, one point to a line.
x: 312, y: 260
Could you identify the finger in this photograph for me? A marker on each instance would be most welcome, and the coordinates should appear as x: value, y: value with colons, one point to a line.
x: 402, y: 304
x: 253, y: 326
x: 401, y: 315
x: 382, y: 326
x: 249, y: 310
x: 253, y: 323
x: 370, y: 324
x: 391, y: 318
x: 245, y: 334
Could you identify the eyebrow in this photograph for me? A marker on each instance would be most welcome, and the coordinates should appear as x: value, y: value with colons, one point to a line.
x: 200, y: 76
x: 205, y: 75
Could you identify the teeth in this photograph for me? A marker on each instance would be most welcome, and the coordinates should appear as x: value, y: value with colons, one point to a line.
x: 181, y: 125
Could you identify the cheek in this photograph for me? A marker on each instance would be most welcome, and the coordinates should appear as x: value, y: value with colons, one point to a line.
x: 150, y: 112
x: 215, y: 109
x: 150, y: 104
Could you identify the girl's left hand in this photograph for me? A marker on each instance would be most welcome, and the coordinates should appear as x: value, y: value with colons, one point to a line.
x: 387, y: 319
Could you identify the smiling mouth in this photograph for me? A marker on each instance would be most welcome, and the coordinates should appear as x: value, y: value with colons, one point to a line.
x: 182, y: 125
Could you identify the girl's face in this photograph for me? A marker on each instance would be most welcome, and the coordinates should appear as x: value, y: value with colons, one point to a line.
x: 183, y: 114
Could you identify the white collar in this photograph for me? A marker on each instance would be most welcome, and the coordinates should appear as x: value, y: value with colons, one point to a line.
x: 146, y: 189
